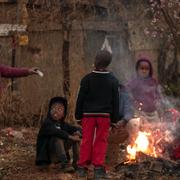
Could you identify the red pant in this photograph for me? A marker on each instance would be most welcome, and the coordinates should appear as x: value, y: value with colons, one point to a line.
x: 94, y: 143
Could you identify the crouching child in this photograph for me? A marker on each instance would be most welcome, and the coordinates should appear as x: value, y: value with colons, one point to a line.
x: 56, y: 137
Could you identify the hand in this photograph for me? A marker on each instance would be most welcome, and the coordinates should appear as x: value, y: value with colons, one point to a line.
x: 114, y: 128
x: 33, y: 70
x: 121, y: 123
x: 114, y: 125
x: 78, y: 122
x: 75, y: 138
x: 77, y: 133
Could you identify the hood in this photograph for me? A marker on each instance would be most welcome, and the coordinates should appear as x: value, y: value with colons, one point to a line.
x: 145, y: 60
x: 55, y: 100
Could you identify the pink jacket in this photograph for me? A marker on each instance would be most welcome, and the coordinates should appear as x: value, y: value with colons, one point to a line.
x: 144, y: 92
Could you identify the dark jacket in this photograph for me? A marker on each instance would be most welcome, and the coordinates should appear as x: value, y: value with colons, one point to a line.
x: 98, y: 94
x: 51, y: 128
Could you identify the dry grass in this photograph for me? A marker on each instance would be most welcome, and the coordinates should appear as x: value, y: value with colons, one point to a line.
x: 14, y: 110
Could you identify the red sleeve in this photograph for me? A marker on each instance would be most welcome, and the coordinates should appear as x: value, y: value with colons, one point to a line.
x: 9, y: 72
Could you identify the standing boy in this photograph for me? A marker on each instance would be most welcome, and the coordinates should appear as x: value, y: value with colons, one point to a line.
x: 97, y: 105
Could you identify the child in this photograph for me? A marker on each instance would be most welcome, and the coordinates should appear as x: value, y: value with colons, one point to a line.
x: 144, y: 88
x: 144, y: 91
x: 55, y: 136
x: 145, y: 96
x: 14, y: 72
x: 97, y: 105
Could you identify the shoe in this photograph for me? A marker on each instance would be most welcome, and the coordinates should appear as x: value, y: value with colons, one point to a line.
x: 74, y: 165
x: 100, y: 173
x: 81, y: 172
x: 67, y: 169
x: 44, y: 167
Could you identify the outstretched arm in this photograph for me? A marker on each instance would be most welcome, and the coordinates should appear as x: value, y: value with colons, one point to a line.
x: 8, y: 72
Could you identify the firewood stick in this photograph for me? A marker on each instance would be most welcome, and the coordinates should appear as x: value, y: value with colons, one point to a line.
x: 170, y: 160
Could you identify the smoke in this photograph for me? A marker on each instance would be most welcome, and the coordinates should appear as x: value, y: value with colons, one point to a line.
x: 122, y: 64
x: 106, y: 45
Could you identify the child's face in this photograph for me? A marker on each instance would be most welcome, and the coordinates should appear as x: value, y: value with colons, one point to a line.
x: 143, y: 69
x: 57, y: 111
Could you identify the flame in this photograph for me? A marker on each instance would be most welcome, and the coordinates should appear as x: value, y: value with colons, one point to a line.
x: 150, y: 140
x: 141, y: 144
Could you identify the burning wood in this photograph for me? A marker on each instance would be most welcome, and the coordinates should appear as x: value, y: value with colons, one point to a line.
x: 146, y: 156
x: 153, y: 139
x: 148, y: 167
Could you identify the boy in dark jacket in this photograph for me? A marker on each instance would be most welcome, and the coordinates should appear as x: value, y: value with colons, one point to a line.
x: 55, y: 136
x: 97, y: 106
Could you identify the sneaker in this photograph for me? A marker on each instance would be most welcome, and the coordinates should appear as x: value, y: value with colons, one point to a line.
x: 81, y: 172
x: 100, y: 173
x: 74, y: 165
x: 44, y: 167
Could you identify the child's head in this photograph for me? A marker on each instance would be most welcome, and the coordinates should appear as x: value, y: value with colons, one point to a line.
x: 57, y: 111
x: 144, y: 68
x: 58, y: 108
x: 102, y: 60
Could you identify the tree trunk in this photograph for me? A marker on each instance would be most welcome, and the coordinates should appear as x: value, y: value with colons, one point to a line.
x: 168, y: 67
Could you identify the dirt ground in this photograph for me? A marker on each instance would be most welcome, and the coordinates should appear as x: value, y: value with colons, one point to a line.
x: 17, y: 156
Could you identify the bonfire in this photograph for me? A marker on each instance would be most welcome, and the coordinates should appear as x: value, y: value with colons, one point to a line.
x: 141, y: 144
x: 146, y: 156
x: 150, y: 141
